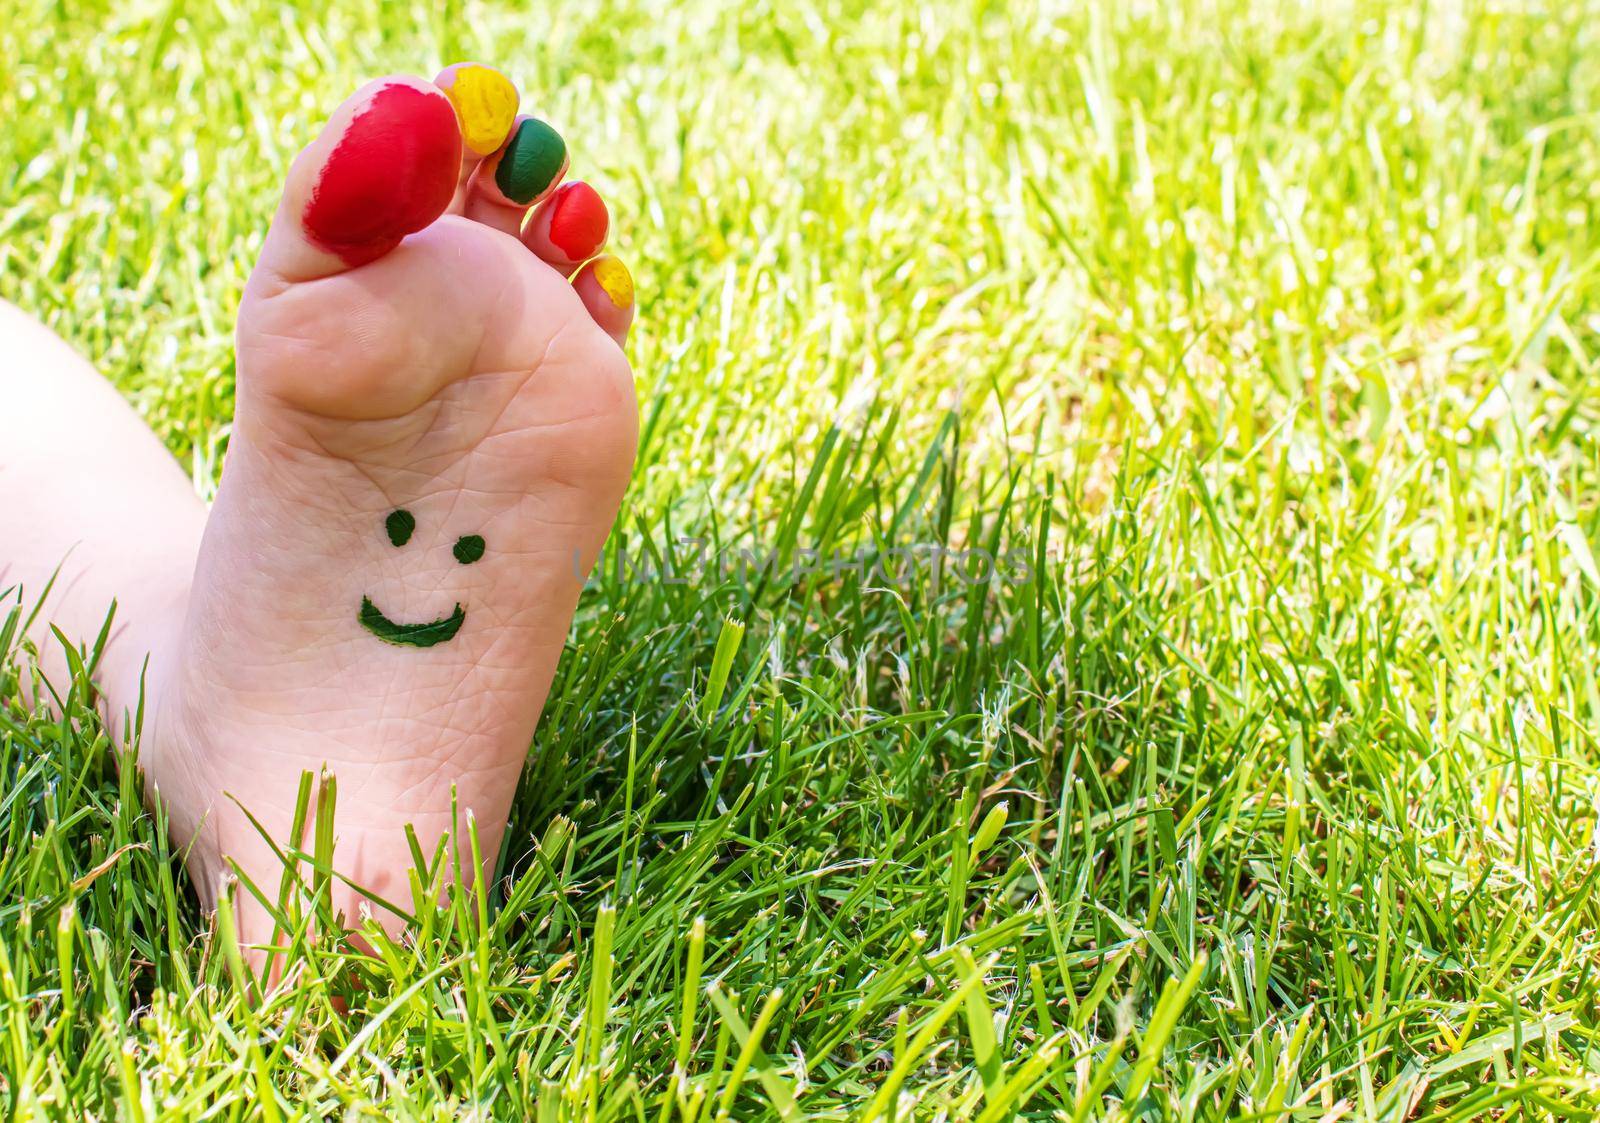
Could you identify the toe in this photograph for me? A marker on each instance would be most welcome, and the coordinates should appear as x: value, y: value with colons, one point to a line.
x: 485, y: 102
x: 606, y: 288
x: 569, y: 227
x: 523, y: 172
x: 383, y: 167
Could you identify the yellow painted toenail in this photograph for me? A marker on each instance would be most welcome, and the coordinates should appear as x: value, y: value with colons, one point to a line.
x: 486, y: 105
x: 615, y: 279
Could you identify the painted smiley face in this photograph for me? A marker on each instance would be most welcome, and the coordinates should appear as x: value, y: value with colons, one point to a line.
x: 468, y: 548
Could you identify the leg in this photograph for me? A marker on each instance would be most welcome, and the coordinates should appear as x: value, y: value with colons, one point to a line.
x: 435, y: 422
x: 86, y: 487
x: 435, y: 426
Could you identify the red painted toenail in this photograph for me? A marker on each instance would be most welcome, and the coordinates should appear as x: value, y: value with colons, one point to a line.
x: 392, y: 173
x: 578, y: 221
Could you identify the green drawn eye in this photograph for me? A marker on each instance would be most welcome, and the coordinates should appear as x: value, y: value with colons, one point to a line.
x: 469, y: 548
x: 400, y: 525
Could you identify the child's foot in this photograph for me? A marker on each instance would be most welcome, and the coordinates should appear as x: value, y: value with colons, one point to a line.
x: 433, y: 424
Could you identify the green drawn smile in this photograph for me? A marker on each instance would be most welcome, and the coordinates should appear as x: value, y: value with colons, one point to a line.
x: 400, y: 525
x: 411, y: 635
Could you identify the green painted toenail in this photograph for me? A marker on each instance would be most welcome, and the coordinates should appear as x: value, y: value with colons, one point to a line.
x: 400, y: 524
x: 468, y: 548
x: 531, y: 163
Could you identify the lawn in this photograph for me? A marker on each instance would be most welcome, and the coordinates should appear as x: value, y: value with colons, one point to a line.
x: 1102, y: 627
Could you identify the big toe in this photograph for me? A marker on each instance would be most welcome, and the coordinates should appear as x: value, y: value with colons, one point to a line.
x: 384, y: 166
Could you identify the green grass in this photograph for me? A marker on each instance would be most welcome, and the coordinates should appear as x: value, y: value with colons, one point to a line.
x: 1266, y: 336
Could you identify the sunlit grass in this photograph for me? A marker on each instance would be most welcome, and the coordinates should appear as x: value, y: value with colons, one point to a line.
x: 1257, y: 340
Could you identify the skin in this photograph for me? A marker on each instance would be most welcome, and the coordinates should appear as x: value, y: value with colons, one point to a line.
x: 123, y: 525
x: 456, y: 373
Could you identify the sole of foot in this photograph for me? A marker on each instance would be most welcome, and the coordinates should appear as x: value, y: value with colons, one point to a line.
x: 435, y: 426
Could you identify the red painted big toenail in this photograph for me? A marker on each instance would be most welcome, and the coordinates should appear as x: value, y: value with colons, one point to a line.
x: 578, y: 221
x: 392, y: 173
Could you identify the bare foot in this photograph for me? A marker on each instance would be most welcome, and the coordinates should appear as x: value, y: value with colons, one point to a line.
x: 432, y: 422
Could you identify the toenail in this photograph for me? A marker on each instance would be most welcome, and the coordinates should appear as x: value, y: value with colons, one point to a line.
x: 578, y: 221
x: 389, y: 175
x: 486, y: 104
x: 614, y: 278
x: 532, y: 161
